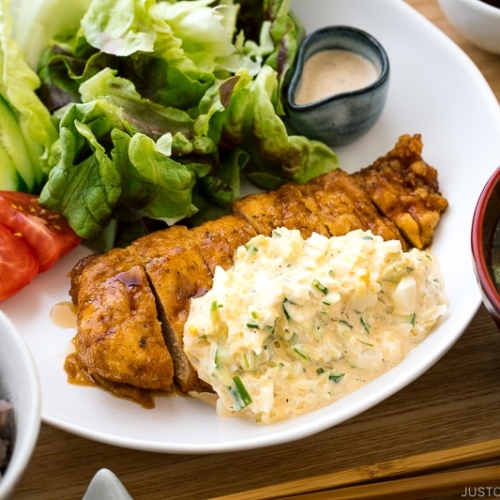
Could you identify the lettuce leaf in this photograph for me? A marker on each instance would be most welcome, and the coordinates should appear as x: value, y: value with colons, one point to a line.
x: 37, y: 22
x: 166, y: 184
x: 86, y: 182
x: 282, y: 30
x: 163, y: 107
x: 120, y: 27
x: 103, y: 171
x: 244, y: 114
x: 26, y: 129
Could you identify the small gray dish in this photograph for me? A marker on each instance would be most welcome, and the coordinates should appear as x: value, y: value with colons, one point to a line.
x: 344, y: 117
x: 105, y: 485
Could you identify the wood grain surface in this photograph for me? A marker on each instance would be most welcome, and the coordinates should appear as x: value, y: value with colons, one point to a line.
x: 455, y: 404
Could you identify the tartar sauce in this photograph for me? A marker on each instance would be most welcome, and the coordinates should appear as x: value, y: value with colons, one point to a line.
x: 330, y: 72
x: 295, y: 324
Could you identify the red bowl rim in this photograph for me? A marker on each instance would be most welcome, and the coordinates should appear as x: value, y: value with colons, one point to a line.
x: 478, y: 251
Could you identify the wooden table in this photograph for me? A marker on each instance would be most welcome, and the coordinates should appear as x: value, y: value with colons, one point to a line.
x: 462, y: 408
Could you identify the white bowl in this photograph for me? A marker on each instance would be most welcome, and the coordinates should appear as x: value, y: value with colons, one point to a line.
x: 19, y: 384
x: 477, y: 20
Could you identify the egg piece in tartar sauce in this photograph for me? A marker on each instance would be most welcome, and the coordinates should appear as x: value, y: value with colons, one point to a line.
x: 295, y: 324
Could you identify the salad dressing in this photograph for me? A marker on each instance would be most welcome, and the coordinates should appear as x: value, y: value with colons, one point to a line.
x: 331, y: 72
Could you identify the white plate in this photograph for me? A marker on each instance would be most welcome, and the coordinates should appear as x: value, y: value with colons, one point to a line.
x: 436, y: 91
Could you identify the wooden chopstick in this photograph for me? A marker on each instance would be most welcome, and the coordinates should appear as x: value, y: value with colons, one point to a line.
x: 468, y: 483
x: 417, y: 464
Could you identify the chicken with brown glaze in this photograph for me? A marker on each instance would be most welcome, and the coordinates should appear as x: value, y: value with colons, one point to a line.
x: 133, y: 303
x: 119, y: 343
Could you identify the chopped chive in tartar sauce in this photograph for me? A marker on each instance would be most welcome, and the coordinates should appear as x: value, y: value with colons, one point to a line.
x: 300, y: 323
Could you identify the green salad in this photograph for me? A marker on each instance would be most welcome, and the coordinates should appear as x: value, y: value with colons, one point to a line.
x: 142, y: 113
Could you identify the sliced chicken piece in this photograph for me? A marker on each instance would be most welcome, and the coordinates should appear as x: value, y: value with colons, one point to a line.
x: 299, y: 210
x: 406, y: 190
x: 218, y: 239
x: 75, y: 276
x: 119, y: 335
x: 345, y: 206
x: 290, y: 206
x: 261, y: 210
x: 177, y: 273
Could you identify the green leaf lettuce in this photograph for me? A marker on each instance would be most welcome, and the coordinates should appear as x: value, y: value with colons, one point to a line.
x: 26, y: 129
x: 163, y: 107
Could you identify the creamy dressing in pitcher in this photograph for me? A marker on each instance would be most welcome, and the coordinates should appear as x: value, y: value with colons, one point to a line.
x: 330, y: 72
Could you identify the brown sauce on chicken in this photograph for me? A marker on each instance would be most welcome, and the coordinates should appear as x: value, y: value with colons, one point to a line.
x: 133, y: 303
x: 78, y: 375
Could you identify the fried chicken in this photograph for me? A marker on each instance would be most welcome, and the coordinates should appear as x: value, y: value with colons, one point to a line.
x: 345, y: 206
x: 177, y: 272
x: 119, y: 336
x: 405, y: 189
x: 133, y: 303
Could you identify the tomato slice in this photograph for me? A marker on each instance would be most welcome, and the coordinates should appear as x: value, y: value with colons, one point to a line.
x: 46, y: 232
x: 18, y: 264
